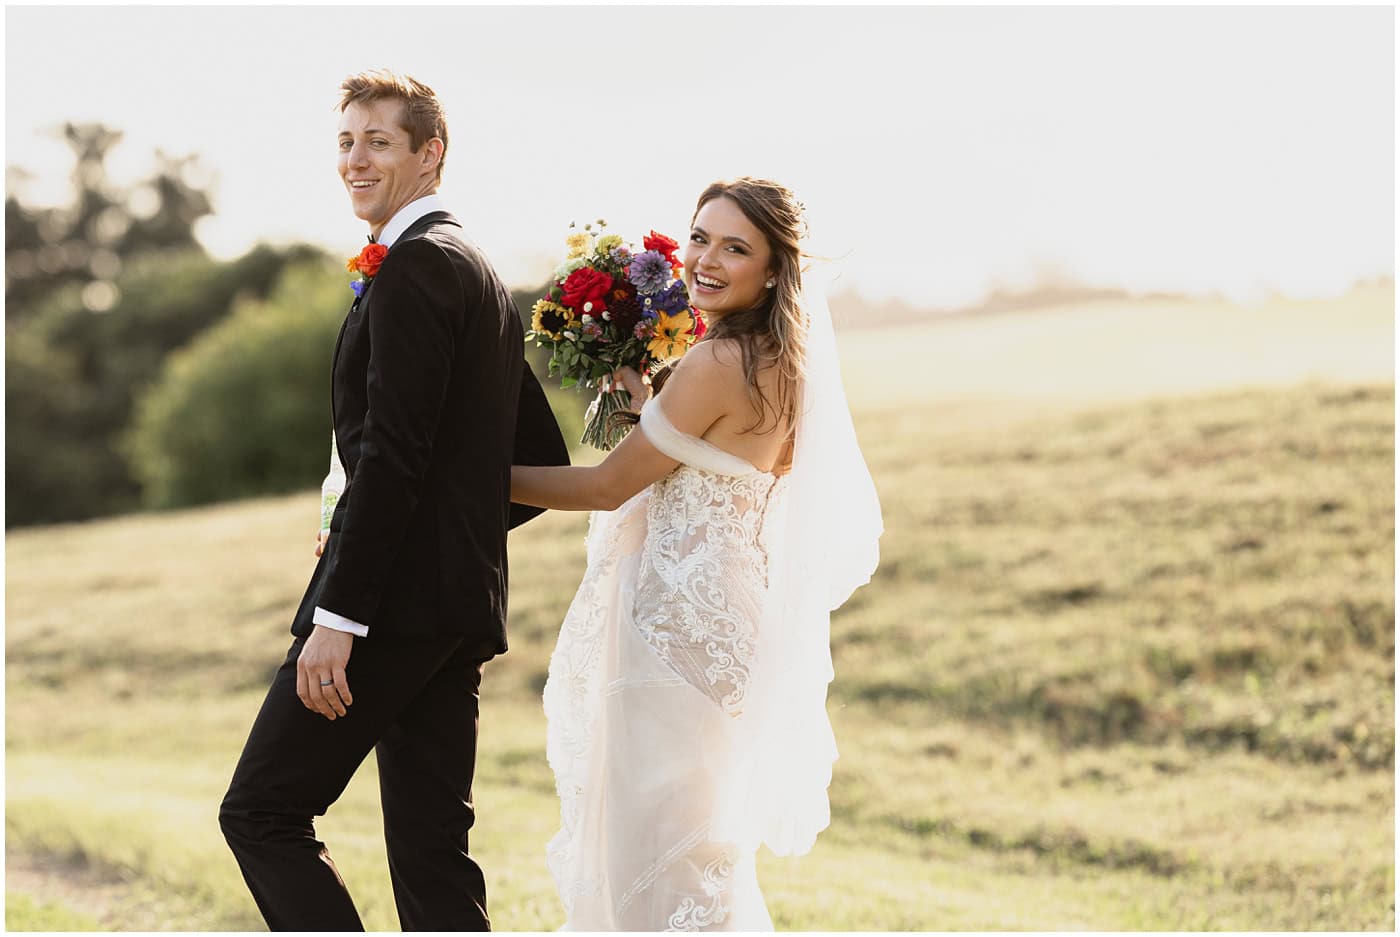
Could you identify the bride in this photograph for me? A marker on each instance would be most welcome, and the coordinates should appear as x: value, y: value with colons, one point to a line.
x: 686, y: 697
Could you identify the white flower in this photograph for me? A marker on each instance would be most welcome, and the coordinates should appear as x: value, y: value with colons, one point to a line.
x: 587, y: 318
x: 569, y: 266
x: 571, y: 336
x: 607, y: 316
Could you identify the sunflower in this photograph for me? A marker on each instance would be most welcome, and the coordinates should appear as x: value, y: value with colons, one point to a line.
x: 549, y: 318
x: 673, y: 335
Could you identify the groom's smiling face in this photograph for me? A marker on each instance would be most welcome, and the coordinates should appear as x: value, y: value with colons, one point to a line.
x: 377, y: 163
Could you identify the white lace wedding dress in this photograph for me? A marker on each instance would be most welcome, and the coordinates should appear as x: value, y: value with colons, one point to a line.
x: 645, y: 689
x: 686, y: 697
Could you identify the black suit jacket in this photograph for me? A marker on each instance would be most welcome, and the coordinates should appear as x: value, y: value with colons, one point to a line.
x: 432, y: 402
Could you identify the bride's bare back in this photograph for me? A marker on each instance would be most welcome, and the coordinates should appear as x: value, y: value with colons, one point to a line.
x: 714, y: 368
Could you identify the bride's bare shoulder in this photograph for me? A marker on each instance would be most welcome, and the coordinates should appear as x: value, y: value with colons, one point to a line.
x: 715, y: 362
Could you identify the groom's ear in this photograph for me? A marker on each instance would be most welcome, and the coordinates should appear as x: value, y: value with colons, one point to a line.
x: 431, y: 154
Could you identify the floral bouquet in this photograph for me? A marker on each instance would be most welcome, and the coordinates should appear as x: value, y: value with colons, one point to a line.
x: 612, y: 307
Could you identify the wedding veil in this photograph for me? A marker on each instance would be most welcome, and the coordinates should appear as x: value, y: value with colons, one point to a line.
x: 824, y: 547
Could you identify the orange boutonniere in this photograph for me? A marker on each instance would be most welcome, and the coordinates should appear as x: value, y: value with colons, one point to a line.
x: 366, y: 264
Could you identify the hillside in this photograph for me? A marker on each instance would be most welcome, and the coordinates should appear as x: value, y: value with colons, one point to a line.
x: 1124, y: 665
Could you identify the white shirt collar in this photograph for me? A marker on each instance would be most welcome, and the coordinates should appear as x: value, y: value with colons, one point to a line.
x: 405, y: 217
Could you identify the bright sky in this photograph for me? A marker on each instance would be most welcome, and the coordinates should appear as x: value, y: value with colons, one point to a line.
x: 941, y: 151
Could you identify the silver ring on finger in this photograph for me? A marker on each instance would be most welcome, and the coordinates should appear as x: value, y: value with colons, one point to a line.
x: 327, y: 683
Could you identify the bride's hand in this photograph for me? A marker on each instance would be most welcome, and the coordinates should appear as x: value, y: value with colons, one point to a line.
x: 631, y: 380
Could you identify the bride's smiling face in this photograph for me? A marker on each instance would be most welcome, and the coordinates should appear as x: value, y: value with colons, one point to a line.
x: 727, y: 261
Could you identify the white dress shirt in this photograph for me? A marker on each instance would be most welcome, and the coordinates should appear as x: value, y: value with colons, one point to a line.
x: 403, y: 219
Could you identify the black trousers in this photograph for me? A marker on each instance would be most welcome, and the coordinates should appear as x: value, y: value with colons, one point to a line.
x: 416, y: 705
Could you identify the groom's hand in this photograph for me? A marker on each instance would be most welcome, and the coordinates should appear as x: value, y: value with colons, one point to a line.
x: 321, y: 684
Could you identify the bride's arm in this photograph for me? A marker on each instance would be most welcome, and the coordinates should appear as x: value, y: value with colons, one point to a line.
x: 696, y: 397
x: 632, y: 465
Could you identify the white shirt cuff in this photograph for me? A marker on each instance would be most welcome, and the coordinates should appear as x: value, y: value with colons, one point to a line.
x: 338, y: 622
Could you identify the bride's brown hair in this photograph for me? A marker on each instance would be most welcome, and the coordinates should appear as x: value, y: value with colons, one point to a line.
x: 773, y: 333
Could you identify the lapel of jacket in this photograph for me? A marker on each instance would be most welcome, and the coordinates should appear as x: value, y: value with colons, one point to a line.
x: 414, y: 230
x: 335, y: 359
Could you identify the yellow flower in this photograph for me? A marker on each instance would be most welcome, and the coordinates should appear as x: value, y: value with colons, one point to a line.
x: 579, y: 244
x: 608, y: 241
x: 673, y: 335
x: 549, y: 318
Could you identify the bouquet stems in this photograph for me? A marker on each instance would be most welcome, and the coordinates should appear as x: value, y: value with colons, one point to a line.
x: 595, y: 421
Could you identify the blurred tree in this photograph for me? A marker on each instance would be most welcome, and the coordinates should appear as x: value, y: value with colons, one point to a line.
x: 46, y: 455
x: 87, y: 242
x: 245, y: 409
x: 72, y: 375
x: 98, y: 292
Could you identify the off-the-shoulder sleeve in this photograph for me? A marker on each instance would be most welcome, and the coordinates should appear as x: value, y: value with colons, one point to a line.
x: 682, y: 447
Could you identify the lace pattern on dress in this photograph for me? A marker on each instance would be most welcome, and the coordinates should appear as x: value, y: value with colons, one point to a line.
x: 692, y: 915
x: 704, y: 575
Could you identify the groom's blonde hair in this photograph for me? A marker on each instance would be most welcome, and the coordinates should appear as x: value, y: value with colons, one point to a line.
x: 423, y: 116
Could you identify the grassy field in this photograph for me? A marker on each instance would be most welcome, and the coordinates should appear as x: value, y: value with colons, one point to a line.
x: 1126, y: 664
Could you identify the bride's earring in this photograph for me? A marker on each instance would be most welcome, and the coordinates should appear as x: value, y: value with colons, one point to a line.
x: 769, y: 284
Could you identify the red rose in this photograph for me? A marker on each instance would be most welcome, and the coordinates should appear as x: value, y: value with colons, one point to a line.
x: 586, y: 285
x: 370, y: 258
x: 663, y: 244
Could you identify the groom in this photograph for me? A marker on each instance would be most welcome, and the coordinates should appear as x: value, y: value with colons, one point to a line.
x: 431, y: 403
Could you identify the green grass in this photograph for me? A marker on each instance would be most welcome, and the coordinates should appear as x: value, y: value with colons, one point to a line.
x: 23, y: 913
x: 1128, y: 666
